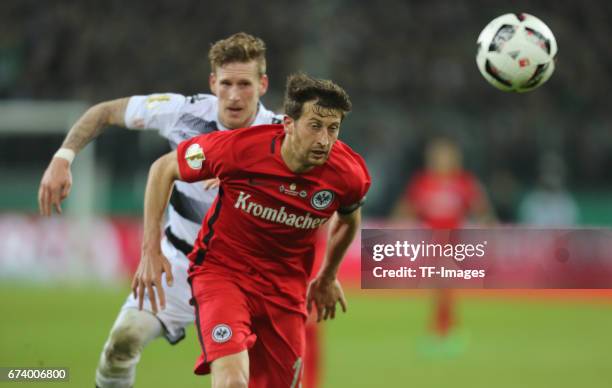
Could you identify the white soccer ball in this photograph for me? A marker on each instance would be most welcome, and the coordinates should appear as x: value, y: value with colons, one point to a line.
x: 516, y: 52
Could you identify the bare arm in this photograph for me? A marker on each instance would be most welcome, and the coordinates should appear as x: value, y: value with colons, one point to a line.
x: 162, y: 175
x: 94, y: 121
x: 325, y: 290
x: 57, y: 179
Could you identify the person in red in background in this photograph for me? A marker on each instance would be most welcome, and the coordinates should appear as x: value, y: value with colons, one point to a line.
x: 443, y: 195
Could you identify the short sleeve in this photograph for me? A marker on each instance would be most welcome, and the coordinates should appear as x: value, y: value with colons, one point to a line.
x: 205, y: 156
x: 359, y: 186
x: 155, y: 111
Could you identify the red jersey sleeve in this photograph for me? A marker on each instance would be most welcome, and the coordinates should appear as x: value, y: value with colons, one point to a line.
x: 359, y: 186
x: 205, y: 156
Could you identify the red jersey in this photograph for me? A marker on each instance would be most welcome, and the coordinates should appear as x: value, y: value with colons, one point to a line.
x: 262, y: 227
x: 443, y: 201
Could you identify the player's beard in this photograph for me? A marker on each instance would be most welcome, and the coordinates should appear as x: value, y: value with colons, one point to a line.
x: 317, y: 158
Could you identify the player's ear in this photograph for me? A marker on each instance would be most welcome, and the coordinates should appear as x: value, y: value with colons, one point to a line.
x: 212, y: 83
x: 289, y: 124
x: 263, y: 84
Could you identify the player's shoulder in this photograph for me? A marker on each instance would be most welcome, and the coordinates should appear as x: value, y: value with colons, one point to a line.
x: 158, y: 101
x: 242, y: 138
x: 201, y: 105
x: 200, y: 101
x: 176, y: 101
x: 266, y: 116
x: 256, y: 134
x: 349, y: 164
x: 201, y: 98
x: 248, y: 146
x: 344, y: 156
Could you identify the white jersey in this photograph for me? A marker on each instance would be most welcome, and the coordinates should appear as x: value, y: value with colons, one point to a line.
x: 178, y: 118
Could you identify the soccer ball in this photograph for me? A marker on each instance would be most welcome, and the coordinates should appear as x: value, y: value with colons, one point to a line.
x: 516, y: 52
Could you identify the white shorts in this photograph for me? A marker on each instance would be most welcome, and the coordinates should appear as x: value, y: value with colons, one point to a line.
x: 178, y: 312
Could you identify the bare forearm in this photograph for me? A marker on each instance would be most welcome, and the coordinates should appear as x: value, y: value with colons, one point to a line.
x: 94, y: 121
x: 341, y: 234
x: 162, y: 175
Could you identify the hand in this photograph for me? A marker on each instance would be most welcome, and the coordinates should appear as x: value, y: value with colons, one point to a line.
x: 324, y: 293
x: 149, y: 274
x: 211, y: 183
x: 54, y: 186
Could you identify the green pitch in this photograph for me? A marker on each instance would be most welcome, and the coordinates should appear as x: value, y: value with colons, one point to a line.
x: 381, y: 342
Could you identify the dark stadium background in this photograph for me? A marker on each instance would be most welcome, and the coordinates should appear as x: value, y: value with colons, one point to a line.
x: 410, y: 69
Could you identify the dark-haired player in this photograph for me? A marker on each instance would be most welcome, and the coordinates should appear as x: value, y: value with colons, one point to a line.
x: 254, y: 252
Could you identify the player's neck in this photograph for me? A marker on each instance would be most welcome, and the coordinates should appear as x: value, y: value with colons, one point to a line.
x: 290, y: 158
x: 248, y: 124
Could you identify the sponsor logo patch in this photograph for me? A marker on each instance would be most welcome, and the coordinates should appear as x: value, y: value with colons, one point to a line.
x: 278, y: 215
x: 153, y: 101
x: 291, y: 190
x: 221, y: 333
x: 322, y: 199
x: 195, y: 156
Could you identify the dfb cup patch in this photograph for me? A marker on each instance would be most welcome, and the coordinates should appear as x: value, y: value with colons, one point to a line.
x: 322, y: 199
x: 194, y: 156
x: 221, y: 333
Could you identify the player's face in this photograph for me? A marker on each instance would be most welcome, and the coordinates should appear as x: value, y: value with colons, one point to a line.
x: 312, y: 136
x: 238, y: 86
x: 443, y: 157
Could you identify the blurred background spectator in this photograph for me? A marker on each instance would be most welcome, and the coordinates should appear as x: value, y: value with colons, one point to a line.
x: 548, y: 203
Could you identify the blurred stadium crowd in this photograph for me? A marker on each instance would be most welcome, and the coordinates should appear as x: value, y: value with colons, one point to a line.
x: 409, y: 67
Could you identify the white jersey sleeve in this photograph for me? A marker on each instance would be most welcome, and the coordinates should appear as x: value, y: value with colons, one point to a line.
x: 155, y: 111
